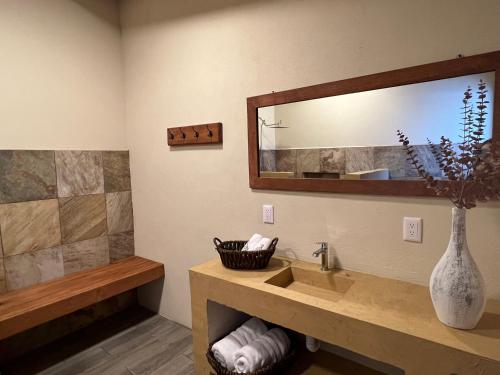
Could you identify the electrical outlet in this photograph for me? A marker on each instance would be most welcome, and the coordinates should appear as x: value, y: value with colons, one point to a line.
x: 268, y: 213
x: 412, y: 229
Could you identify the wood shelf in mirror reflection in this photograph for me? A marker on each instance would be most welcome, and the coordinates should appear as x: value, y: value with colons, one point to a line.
x: 268, y: 174
x: 331, y: 153
x: 374, y: 174
x: 331, y: 175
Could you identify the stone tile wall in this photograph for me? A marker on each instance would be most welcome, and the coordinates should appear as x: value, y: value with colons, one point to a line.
x: 348, y: 159
x: 62, y: 212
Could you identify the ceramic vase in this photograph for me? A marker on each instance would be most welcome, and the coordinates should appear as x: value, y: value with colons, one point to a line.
x: 456, y: 285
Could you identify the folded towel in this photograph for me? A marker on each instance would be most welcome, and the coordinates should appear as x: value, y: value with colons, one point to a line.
x: 263, y: 244
x: 256, y: 243
x: 252, y: 329
x: 263, y: 351
x: 282, y: 341
x: 224, y: 349
x: 252, y: 242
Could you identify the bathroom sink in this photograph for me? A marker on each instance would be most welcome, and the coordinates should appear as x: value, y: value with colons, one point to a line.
x: 331, y: 285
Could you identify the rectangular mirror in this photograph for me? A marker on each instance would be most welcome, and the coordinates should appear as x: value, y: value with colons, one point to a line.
x: 353, y: 136
x: 341, y: 136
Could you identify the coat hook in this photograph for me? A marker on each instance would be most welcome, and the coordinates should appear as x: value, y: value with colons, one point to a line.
x: 198, y: 134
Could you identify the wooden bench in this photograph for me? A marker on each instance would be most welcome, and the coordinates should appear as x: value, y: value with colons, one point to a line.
x: 28, y: 307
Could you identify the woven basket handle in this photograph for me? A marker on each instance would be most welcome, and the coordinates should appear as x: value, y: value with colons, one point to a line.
x: 217, y: 242
x: 274, y: 242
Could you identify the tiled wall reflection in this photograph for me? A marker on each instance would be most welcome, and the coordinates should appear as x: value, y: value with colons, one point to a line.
x: 344, y: 160
x: 62, y: 212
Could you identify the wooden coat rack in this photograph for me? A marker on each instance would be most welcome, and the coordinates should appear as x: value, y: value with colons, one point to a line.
x: 195, y: 134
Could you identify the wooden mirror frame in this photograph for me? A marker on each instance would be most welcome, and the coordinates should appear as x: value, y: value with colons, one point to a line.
x: 488, y: 62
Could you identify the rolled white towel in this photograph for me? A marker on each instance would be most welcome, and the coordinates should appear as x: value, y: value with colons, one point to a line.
x: 251, y: 357
x: 224, y: 349
x: 263, y: 244
x: 282, y: 341
x: 257, y: 243
x: 252, y: 242
x: 251, y: 329
x: 263, y: 351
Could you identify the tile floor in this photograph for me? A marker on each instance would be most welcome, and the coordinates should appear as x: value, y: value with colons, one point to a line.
x: 133, y: 342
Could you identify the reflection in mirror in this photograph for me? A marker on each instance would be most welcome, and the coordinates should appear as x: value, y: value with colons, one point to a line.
x: 353, y: 136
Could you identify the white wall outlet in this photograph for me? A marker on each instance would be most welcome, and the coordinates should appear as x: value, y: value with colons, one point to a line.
x: 268, y: 213
x: 412, y: 229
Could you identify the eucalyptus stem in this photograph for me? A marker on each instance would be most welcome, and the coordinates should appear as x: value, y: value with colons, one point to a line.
x: 473, y: 175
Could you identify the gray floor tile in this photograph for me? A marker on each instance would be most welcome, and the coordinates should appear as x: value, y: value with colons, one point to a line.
x: 180, y: 365
x: 189, y: 352
x: 162, y: 352
x: 133, y: 337
x: 149, y: 344
x: 78, y: 363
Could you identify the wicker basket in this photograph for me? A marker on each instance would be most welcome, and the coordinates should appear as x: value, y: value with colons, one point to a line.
x: 232, y: 256
x: 275, y: 368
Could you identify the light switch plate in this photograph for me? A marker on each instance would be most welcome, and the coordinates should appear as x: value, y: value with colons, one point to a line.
x: 412, y: 229
x: 268, y: 213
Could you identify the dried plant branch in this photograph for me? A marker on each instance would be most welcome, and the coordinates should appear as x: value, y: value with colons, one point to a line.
x: 472, y: 171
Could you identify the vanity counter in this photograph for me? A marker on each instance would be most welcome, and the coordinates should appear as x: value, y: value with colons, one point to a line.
x: 384, y: 319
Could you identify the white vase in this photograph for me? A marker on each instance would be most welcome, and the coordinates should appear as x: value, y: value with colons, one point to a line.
x: 456, y: 285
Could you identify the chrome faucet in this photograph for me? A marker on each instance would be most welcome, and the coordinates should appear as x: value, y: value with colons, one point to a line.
x: 323, y: 250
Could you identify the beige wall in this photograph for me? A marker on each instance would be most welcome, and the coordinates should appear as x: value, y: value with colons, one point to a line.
x: 61, y: 81
x: 184, y: 66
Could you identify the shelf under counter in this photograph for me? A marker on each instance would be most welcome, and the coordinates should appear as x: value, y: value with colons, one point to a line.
x: 325, y: 363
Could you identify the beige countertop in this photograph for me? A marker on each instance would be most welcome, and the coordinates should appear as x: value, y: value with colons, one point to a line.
x: 400, y: 307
